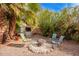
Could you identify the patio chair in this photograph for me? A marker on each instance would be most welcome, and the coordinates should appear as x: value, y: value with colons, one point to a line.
x: 57, y: 42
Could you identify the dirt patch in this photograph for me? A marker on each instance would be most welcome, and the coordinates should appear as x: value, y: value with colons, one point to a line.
x: 68, y: 48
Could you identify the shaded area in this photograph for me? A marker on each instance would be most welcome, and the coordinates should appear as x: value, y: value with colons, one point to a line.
x: 15, y: 45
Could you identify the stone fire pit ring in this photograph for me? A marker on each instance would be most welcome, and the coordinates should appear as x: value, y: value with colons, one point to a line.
x: 43, y: 48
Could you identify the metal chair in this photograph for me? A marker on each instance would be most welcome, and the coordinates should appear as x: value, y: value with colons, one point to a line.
x: 57, y: 41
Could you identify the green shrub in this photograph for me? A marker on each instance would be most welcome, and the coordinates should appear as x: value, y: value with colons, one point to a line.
x: 75, y: 37
x: 45, y: 22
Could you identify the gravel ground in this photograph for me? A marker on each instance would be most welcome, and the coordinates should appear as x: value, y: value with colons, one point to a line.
x: 69, y: 48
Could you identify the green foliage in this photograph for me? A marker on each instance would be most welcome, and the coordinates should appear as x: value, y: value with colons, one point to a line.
x: 50, y: 22
x: 45, y: 22
x: 18, y: 24
x: 29, y: 11
x: 35, y: 7
x: 61, y: 21
x: 30, y: 18
x: 75, y: 36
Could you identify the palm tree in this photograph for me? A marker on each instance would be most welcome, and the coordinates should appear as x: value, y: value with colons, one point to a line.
x: 31, y: 13
x: 3, y: 25
x: 11, y: 15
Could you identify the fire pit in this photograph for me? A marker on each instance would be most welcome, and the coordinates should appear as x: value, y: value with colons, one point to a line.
x: 40, y: 47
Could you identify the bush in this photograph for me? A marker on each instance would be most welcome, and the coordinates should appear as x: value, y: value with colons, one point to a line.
x: 75, y: 36
x: 72, y: 33
x: 45, y: 22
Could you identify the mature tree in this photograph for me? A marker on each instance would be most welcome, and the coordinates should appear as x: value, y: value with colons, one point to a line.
x: 13, y: 11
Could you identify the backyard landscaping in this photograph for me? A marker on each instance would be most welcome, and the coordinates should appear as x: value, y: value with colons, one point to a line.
x: 26, y: 29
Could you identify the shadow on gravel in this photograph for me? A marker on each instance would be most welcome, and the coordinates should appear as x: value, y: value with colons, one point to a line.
x: 15, y: 45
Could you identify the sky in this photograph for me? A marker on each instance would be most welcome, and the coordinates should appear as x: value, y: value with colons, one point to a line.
x: 57, y: 6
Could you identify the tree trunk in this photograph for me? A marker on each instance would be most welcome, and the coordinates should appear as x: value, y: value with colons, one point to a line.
x: 12, y: 25
x: 3, y: 25
x: 7, y: 33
